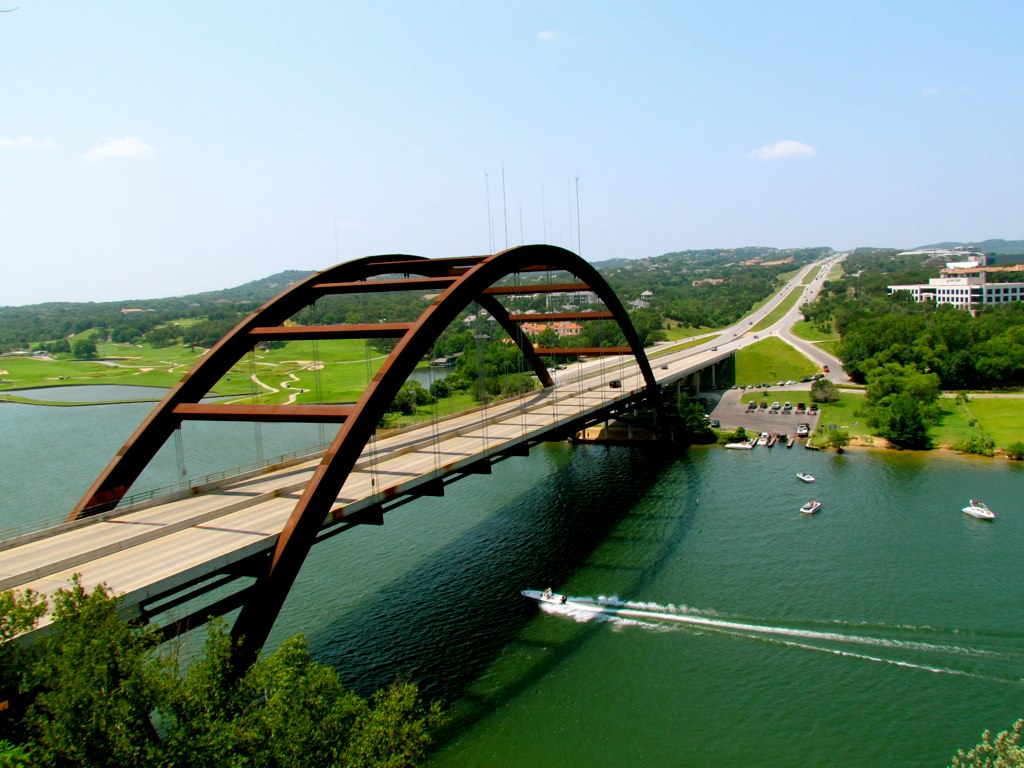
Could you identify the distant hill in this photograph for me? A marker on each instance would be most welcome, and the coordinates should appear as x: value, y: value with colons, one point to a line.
x: 1008, y: 247
x: 257, y: 291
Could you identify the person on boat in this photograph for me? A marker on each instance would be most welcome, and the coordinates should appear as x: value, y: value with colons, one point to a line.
x: 564, y: 598
x: 548, y: 593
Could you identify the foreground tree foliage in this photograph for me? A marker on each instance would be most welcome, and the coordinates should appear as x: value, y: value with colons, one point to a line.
x: 1004, y: 751
x: 101, y: 692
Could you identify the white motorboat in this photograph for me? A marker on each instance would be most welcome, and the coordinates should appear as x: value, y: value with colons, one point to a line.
x: 763, y: 439
x: 746, y: 445
x: 805, y: 477
x: 553, y: 598
x: 811, y: 507
x: 545, y: 596
x: 980, y: 510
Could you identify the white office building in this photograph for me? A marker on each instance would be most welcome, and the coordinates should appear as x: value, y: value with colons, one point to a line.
x: 964, y: 284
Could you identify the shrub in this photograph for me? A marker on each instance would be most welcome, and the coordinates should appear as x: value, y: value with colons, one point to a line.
x: 980, y: 443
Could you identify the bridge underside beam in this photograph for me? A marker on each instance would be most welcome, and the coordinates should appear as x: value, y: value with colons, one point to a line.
x: 589, y: 351
x: 526, y: 290
x: 308, y: 332
x: 301, y: 414
x: 384, y: 286
x: 550, y: 316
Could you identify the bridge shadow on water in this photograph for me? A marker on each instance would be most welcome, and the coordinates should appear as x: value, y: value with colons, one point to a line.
x: 456, y: 623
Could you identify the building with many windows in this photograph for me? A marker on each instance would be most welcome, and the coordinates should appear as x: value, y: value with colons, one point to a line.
x: 964, y: 283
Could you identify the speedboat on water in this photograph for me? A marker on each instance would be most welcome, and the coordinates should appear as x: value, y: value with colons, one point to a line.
x: 745, y: 445
x: 811, y: 507
x: 980, y: 510
x: 805, y: 477
x: 763, y: 439
x: 545, y: 596
x: 553, y: 598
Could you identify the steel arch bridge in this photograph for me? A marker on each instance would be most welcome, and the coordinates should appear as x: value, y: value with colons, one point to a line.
x: 458, y: 281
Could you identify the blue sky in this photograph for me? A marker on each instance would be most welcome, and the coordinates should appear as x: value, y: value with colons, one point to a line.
x: 151, y: 149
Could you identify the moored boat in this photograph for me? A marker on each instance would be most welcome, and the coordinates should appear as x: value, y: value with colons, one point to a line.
x: 805, y: 477
x: 763, y: 439
x: 980, y: 510
x: 811, y: 507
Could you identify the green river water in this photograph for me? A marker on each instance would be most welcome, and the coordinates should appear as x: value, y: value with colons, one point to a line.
x: 888, y: 629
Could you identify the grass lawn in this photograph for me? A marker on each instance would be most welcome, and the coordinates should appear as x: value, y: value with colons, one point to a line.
x: 832, y: 347
x: 807, y: 330
x: 119, y: 364
x: 843, y: 413
x: 676, y: 332
x: 769, y: 361
x: 835, y: 273
x: 1003, y: 418
x: 776, y: 314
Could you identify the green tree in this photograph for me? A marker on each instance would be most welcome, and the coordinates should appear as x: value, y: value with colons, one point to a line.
x: 1004, y: 751
x: 84, y: 348
x: 106, y: 696
x: 824, y: 391
x: 693, y: 423
x: 837, y: 438
x: 95, y: 684
x: 902, y: 422
x: 1015, y: 451
x: 978, y: 442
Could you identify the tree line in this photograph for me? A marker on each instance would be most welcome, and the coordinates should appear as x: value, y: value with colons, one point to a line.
x: 98, y: 691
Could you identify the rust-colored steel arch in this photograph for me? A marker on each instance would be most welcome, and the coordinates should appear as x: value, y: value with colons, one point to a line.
x: 459, y: 281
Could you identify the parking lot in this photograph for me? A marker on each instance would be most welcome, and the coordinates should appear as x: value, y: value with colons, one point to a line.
x: 733, y: 413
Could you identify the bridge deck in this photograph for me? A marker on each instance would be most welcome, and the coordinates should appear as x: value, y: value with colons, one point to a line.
x: 155, y: 549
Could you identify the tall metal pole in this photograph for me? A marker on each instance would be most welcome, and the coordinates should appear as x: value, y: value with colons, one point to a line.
x: 579, y: 246
x: 504, y: 204
x: 490, y: 221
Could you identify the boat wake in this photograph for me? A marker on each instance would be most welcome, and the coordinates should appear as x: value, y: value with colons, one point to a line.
x: 989, y: 656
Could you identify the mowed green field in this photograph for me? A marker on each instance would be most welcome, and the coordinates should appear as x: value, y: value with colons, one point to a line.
x: 1001, y: 417
x: 804, y: 329
x: 776, y: 314
x: 769, y: 361
x: 337, y: 370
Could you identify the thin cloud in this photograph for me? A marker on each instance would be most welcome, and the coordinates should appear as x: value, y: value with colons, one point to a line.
x: 125, y: 146
x: 547, y: 36
x: 930, y: 90
x: 25, y: 143
x: 784, y: 148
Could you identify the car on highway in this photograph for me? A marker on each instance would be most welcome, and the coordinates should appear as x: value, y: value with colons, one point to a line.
x: 615, y: 384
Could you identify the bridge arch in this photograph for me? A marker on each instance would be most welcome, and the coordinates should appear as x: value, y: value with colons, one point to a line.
x: 460, y: 281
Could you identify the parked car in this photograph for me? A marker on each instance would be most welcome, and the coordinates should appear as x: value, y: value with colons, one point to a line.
x: 776, y: 406
x: 802, y: 430
x: 716, y: 423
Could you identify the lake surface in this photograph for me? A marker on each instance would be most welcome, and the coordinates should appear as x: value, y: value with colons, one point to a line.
x: 888, y: 629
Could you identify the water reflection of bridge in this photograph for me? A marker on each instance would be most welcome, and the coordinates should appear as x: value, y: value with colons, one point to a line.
x: 239, y: 541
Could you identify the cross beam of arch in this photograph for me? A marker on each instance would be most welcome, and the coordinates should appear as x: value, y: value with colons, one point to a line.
x: 460, y: 281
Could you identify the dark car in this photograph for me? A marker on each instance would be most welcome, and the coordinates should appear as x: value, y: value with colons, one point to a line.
x: 615, y: 384
x: 716, y: 423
